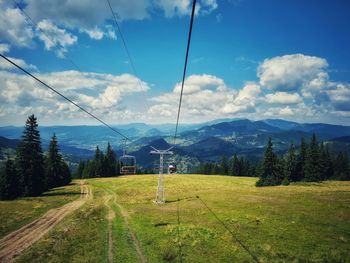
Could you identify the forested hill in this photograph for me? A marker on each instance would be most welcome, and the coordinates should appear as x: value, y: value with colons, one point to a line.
x: 197, y: 142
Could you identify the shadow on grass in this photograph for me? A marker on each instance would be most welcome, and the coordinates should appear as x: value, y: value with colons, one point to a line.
x: 181, y: 199
x: 161, y: 224
x: 60, y: 193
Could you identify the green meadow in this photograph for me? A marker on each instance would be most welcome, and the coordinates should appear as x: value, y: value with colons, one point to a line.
x: 205, y: 219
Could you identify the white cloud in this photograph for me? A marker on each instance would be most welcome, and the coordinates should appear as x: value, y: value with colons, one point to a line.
x: 205, y: 97
x: 195, y: 83
x: 87, y: 14
x: 6, y: 65
x: 14, y: 28
x: 97, y: 33
x: 340, y: 97
x: 163, y: 110
x: 245, y: 100
x: 54, y: 37
x: 286, y: 111
x: 290, y: 72
x: 94, y: 33
x: 283, y: 98
x: 4, y: 48
x: 59, y: 18
x: 173, y: 8
x: 97, y: 92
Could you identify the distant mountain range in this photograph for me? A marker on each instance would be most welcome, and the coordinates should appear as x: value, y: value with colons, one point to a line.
x: 195, y: 143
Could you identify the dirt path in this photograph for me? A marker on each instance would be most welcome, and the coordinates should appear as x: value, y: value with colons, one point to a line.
x: 110, y: 218
x: 133, y: 236
x: 16, y: 242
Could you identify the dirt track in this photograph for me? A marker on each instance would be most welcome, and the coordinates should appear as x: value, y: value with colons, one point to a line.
x: 125, y: 215
x: 16, y: 242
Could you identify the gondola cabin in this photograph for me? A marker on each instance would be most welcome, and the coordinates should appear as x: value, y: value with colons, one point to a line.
x: 127, y: 164
x: 171, y: 169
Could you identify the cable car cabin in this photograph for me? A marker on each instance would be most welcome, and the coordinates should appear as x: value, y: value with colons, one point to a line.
x: 127, y: 164
x: 171, y: 169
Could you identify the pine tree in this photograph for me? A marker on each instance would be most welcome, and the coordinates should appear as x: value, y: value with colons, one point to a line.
x: 312, y: 163
x: 30, y: 160
x: 290, y: 168
x: 9, y: 182
x: 79, y: 172
x: 223, y: 165
x: 341, y: 167
x: 235, y: 166
x: 326, y: 163
x: 301, y: 160
x: 110, y: 162
x: 57, y: 171
x: 98, y: 160
x: 270, y: 168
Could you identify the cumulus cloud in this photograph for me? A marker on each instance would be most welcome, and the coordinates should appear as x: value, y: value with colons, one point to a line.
x: 304, y: 76
x: 97, y: 33
x: 57, y: 19
x: 195, y: 83
x: 283, y: 98
x: 6, y: 65
x: 245, y: 101
x: 4, y: 48
x: 55, y: 37
x: 97, y: 92
x: 340, y: 97
x: 14, y: 28
x: 291, y: 72
x: 205, y: 97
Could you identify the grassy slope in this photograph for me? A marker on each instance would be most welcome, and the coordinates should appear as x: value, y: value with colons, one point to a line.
x: 81, y: 237
x: 16, y: 213
x: 303, y: 222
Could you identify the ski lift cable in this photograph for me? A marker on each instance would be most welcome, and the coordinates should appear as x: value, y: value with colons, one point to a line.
x: 177, y: 121
x: 229, y: 230
x: 61, y: 46
x: 185, y: 69
x: 66, y: 98
x: 117, y: 28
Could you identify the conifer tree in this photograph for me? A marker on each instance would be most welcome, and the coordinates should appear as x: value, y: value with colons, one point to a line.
x: 223, y: 165
x: 312, y: 163
x: 57, y: 172
x: 270, y: 168
x: 301, y: 160
x: 235, y: 166
x: 341, y: 167
x: 110, y: 162
x: 98, y: 163
x: 79, y: 172
x: 290, y: 168
x: 30, y: 160
x: 326, y: 163
x: 9, y: 182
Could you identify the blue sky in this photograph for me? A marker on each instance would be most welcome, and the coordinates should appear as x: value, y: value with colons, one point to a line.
x: 248, y: 59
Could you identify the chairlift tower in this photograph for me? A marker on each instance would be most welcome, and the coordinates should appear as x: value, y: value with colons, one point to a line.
x: 160, y: 197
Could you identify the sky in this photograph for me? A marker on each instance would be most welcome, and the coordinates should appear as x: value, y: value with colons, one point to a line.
x: 248, y: 59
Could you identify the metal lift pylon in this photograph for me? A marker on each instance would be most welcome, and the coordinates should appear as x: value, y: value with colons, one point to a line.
x: 160, y: 197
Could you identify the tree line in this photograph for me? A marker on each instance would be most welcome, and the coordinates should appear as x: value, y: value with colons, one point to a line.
x: 312, y: 163
x: 234, y: 166
x: 32, y: 172
x: 102, y: 165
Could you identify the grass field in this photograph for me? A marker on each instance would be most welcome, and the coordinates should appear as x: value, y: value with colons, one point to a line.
x: 305, y: 222
x: 16, y: 213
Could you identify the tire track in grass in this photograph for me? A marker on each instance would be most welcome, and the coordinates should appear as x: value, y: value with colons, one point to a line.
x: 133, y: 236
x: 110, y: 218
x: 16, y: 242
